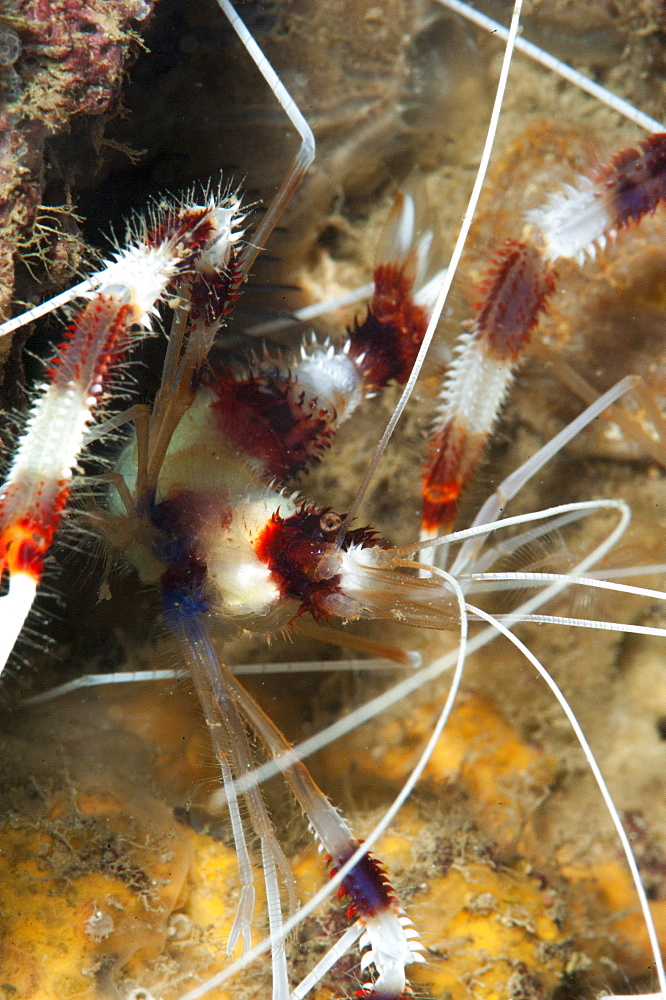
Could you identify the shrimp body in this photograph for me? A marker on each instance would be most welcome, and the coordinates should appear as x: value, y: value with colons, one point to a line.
x: 230, y: 538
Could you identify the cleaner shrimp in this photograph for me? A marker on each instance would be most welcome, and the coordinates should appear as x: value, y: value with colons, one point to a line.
x: 507, y: 913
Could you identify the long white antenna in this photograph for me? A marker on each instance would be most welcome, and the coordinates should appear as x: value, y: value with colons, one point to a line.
x: 450, y: 272
x: 603, y: 788
x: 562, y: 69
x: 290, y: 183
x: 304, y: 156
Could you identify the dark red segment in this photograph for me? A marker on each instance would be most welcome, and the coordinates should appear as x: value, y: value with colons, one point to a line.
x: 636, y: 180
x: 366, y: 884
x: 390, y: 337
x: 213, y: 295
x: 94, y: 343
x: 267, y: 417
x: 516, y: 287
x: 188, y: 232
x: 453, y: 457
x: 300, y: 552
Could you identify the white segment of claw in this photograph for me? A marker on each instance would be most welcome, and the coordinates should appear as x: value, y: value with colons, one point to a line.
x: 392, y: 943
x: 138, y: 275
x: 331, y: 375
x: 572, y: 222
x: 474, y: 388
x: 15, y: 607
x: 226, y: 218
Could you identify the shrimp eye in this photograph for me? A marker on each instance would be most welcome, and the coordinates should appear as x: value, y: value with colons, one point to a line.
x: 330, y: 522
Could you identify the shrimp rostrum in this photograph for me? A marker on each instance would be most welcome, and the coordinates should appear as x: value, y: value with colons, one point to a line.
x: 202, y: 500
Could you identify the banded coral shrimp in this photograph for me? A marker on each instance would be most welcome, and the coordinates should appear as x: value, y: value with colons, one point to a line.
x: 97, y: 923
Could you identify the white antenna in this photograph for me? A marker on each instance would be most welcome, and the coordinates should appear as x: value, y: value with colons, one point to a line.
x: 304, y: 156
